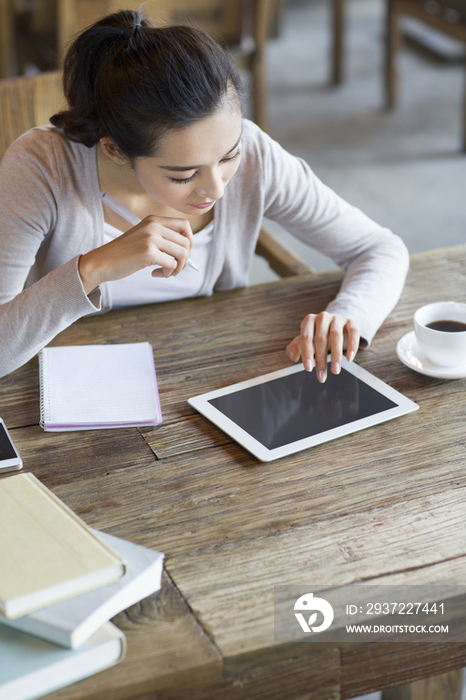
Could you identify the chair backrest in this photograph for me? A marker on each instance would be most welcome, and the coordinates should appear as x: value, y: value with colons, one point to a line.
x: 223, y: 19
x: 452, y: 10
x: 242, y: 26
x: 26, y: 102
x: 448, y: 16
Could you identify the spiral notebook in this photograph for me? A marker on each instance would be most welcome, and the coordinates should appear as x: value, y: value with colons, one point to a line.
x: 87, y: 387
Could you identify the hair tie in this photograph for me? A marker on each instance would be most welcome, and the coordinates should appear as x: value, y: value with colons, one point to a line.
x: 133, y: 28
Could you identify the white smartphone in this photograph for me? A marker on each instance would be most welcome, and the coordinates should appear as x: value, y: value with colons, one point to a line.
x: 9, y: 455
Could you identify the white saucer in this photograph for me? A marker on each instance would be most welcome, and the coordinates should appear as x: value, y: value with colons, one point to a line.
x: 411, y: 355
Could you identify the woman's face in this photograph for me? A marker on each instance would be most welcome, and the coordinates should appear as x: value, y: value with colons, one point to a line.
x: 193, y: 165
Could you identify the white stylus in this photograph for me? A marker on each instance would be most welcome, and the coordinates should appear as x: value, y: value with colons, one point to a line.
x: 128, y: 215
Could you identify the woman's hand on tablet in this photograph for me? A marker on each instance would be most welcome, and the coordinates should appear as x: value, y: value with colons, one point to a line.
x: 319, y: 332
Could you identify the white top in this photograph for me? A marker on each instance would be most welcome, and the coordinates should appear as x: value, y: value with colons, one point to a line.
x: 142, y: 288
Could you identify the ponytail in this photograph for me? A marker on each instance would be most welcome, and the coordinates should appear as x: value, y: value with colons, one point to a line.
x: 131, y: 81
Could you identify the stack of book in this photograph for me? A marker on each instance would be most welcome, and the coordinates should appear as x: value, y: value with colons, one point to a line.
x: 60, y: 584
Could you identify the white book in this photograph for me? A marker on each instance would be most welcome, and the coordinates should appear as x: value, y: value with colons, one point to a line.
x: 84, y: 387
x: 70, y: 623
x: 31, y: 667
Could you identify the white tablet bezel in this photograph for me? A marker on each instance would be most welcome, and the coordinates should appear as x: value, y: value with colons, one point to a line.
x: 263, y: 453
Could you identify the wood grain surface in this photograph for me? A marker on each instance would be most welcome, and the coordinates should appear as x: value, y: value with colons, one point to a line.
x: 385, y: 505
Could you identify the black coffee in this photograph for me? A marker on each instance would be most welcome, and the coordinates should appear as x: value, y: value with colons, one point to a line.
x: 447, y: 326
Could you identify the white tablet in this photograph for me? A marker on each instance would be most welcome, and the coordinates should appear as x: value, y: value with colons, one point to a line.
x: 284, y: 412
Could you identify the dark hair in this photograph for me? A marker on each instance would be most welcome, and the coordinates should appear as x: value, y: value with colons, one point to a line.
x: 131, y: 81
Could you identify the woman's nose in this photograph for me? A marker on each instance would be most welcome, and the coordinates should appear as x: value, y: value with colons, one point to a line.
x: 212, y: 186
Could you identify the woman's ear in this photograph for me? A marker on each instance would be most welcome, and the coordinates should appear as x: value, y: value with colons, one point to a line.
x: 111, y: 150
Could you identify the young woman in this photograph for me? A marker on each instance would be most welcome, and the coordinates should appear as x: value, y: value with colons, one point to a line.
x: 154, y: 120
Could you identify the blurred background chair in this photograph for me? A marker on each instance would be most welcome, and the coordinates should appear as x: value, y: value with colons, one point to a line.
x: 26, y: 102
x: 38, y: 32
x: 447, y: 16
x: 338, y: 38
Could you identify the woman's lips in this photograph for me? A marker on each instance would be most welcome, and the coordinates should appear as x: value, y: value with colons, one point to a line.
x: 205, y: 205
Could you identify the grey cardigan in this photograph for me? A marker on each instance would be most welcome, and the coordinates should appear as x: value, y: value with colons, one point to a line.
x: 50, y: 214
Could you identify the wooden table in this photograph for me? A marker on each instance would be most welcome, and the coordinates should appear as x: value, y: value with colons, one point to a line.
x: 385, y: 505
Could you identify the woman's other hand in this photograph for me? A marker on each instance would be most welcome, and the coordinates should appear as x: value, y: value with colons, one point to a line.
x: 155, y: 240
x: 319, y: 333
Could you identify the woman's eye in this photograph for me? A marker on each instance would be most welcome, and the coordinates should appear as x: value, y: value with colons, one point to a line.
x: 183, y: 180
x: 233, y: 157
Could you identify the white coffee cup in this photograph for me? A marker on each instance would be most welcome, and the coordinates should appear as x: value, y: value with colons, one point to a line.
x: 443, y: 348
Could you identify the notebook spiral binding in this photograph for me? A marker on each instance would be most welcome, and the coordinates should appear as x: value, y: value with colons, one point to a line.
x: 44, y: 405
x: 128, y: 394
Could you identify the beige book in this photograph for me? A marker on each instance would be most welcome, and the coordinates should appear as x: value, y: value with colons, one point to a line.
x: 47, y: 553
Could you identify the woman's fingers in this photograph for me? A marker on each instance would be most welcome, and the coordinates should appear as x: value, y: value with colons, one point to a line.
x: 323, y: 324
x: 170, y: 242
x: 306, y: 342
x: 354, y: 336
x: 154, y: 241
x: 319, y: 334
x: 336, y: 336
x: 171, y: 254
x: 293, y: 350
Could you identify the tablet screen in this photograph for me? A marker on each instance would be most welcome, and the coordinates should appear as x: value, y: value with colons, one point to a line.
x: 280, y: 413
x: 297, y: 406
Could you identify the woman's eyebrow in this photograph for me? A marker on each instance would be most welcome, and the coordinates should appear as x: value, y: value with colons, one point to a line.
x: 181, y: 168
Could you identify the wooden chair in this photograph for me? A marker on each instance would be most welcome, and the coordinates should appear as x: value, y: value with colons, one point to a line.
x: 26, y: 102
x: 30, y: 101
x: 338, y: 37
x: 41, y: 35
x: 6, y: 37
x: 448, y: 16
